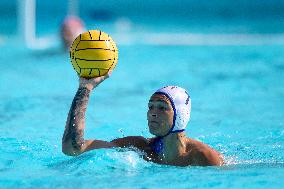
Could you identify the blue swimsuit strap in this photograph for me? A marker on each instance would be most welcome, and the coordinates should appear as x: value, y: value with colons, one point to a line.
x: 158, y: 145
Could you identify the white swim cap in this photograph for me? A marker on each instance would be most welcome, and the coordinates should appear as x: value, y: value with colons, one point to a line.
x: 181, y: 103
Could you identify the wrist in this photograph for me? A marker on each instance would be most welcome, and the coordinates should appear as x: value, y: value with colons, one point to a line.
x: 88, y: 86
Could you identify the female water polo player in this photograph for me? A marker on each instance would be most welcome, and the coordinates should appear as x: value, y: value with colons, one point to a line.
x: 168, y: 115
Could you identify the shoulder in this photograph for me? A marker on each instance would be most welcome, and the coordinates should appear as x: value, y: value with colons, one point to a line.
x: 202, y: 154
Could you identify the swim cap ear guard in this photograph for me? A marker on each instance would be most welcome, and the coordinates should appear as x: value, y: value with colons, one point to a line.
x: 181, y: 104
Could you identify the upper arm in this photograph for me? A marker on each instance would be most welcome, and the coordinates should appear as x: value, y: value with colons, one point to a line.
x: 203, y: 155
x: 209, y: 157
x: 87, y: 145
x: 135, y: 141
x: 131, y: 141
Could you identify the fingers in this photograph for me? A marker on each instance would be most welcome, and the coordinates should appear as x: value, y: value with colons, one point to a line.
x: 109, y: 73
x: 98, y: 80
x: 93, y: 82
x: 102, y: 78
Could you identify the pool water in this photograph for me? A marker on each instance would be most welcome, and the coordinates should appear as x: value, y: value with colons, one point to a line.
x: 237, y: 107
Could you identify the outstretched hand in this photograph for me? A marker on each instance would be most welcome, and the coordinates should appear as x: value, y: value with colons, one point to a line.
x: 93, y: 82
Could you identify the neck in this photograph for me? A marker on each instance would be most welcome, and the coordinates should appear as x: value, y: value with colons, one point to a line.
x: 174, y: 145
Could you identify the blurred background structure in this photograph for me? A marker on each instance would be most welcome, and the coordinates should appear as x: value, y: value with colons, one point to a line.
x: 190, y: 22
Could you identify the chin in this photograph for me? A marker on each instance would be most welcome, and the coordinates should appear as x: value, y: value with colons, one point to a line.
x: 154, y: 132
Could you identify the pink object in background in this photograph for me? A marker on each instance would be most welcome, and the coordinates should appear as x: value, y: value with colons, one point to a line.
x: 71, y: 28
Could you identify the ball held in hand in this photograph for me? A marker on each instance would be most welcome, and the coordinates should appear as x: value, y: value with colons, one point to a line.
x: 93, y: 53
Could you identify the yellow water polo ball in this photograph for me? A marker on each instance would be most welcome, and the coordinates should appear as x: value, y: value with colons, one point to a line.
x: 93, y: 53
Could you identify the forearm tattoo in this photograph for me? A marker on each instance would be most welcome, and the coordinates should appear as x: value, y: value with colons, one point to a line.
x: 74, y: 130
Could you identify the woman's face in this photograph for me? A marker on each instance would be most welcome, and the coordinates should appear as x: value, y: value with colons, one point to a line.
x: 160, y: 115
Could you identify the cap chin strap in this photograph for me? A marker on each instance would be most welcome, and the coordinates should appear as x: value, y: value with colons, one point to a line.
x: 176, y: 131
x: 158, y: 144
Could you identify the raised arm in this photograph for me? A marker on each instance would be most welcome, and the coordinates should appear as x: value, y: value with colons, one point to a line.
x: 73, y: 142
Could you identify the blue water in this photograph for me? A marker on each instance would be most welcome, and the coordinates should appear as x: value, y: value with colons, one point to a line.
x: 237, y: 108
x: 237, y: 101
